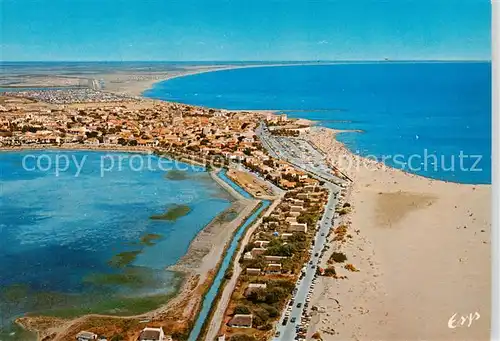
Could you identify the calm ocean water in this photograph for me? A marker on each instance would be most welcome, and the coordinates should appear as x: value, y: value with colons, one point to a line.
x: 432, y: 119
x: 58, y: 232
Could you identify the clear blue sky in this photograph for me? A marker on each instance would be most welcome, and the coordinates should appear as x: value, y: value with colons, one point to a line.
x: 206, y: 30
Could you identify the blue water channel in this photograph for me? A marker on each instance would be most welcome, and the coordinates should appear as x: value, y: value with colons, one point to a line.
x: 63, y: 222
x: 212, y: 293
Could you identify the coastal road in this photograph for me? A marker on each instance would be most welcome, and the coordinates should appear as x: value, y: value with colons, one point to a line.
x: 298, y: 152
x: 306, y: 157
x: 288, y: 331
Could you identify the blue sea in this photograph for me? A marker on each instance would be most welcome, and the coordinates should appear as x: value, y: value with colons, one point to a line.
x: 61, y: 226
x: 432, y: 119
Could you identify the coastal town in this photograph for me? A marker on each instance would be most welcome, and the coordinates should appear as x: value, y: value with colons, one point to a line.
x: 306, y: 262
x: 203, y: 135
x: 249, y: 171
x: 68, y: 95
x: 279, y: 263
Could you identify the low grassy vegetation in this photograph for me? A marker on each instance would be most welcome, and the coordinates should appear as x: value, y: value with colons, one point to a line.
x: 173, y: 213
x: 351, y: 267
x: 242, y: 337
x: 149, y: 239
x: 337, y: 257
x: 175, y: 174
x: 123, y: 259
x: 264, y: 304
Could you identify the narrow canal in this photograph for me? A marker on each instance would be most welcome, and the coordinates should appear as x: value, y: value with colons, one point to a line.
x: 212, y: 292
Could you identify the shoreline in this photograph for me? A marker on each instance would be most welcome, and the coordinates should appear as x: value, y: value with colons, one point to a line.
x: 375, y: 250
x: 377, y: 164
x: 137, y: 90
x: 422, y: 256
x: 79, y: 147
x: 311, y: 123
x: 201, y: 259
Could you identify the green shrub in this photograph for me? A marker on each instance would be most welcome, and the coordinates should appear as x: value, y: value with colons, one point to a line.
x: 273, y: 312
x: 330, y: 271
x: 242, y: 337
x: 338, y: 257
x: 343, y: 211
x: 241, y: 309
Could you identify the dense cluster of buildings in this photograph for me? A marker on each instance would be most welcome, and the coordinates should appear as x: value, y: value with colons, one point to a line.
x: 128, y: 125
x: 200, y: 134
x: 273, y: 259
x: 277, y: 251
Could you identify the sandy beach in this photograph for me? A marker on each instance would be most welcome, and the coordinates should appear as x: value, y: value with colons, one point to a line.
x: 422, y: 248
x: 134, y: 84
x: 121, y: 81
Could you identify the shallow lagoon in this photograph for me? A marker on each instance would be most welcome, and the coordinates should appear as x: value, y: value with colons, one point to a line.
x: 75, y: 244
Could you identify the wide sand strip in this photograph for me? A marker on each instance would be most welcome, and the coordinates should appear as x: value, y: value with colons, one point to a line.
x: 423, y: 250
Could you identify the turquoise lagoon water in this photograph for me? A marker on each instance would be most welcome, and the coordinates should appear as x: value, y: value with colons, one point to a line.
x: 59, y: 231
x: 435, y: 111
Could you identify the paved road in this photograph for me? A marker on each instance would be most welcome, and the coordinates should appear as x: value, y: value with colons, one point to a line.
x: 288, y: 332
x: 299, y: 153
x: 305, y: 156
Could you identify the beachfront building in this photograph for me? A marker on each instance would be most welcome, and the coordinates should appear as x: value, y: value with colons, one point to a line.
x: 274, y: 259
x: 248, y: 256
x: 298, y: 227
x: 91, y: 141
x: 241, y: 321
x: 86, y: 336
x: 252, y: 287
x: 153, y: 334
x: 253, y: 271
x: 261, y: 243
x: 273, y: 269
x: 257, y: 251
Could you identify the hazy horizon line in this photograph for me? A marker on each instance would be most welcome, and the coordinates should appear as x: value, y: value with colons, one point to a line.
x: 246, y: 61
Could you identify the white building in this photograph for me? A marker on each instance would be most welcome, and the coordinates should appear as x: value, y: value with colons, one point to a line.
x: 153, y: 334
x: 86, y: 336
x: 298, y: 227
